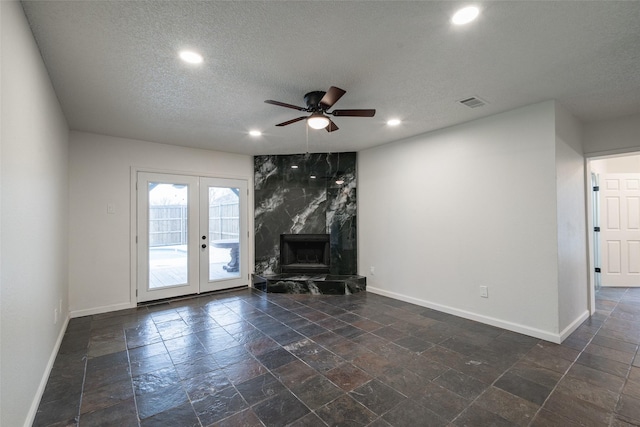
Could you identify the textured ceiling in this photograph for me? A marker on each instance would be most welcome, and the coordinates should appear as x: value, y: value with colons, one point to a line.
x: 115, y: 69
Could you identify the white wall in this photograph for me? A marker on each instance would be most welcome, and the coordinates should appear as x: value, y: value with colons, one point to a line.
x: 34, y: 194
x: 100, y: 266
x: 621, y: 164
x: 572, y: 229
x: 472, y: 205
x: 619, y: 135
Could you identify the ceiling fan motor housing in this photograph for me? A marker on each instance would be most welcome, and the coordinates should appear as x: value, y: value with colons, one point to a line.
x: 312, y: 100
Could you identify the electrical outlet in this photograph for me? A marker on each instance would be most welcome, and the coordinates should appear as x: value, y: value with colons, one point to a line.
x: 372, y: 270
x: 111, y: 208
x: 484, y: 292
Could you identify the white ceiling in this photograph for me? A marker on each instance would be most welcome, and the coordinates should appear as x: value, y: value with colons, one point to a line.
x: 115, y: 68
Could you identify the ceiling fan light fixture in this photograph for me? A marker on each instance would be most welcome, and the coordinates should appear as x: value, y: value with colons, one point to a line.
x: 317, y: 121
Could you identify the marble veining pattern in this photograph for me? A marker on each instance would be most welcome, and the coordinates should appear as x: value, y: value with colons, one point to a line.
x: 302, y: 218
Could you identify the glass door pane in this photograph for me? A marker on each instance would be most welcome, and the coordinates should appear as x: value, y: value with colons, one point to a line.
x: 224, y: 233
x: 223, y: 219
x: 168, y: 237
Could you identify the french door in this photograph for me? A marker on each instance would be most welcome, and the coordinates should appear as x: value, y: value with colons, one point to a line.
x: 191, y: 234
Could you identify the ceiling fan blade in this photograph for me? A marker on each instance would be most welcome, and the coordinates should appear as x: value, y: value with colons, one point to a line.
x: 331, y: 126
x: 354, y: 113
x: 331, y: 97
x: 282, y: 104
x: 291, y: 121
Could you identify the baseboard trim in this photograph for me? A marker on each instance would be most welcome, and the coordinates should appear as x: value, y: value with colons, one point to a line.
x: 103, y: 309
x: 514, y: 327
x: 574, y: 325
x: 33, y: 410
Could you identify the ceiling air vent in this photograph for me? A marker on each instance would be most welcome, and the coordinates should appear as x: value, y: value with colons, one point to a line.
x: 473, y: 102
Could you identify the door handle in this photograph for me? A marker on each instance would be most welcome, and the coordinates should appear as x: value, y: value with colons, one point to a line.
x: 204, y: 246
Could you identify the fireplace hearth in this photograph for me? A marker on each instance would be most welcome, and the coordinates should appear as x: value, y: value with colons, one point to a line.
x: 316, y: 284
x: 304, y: 253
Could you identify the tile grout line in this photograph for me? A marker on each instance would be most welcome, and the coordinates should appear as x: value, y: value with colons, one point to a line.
x: 493, y: 385
x: 133, y: 389
x: 84, y: 379
x: 626, y: 379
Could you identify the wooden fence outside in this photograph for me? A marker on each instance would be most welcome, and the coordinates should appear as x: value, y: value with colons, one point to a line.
x: 168, y: 224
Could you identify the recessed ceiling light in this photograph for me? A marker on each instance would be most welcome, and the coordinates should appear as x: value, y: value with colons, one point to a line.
x: 393, y: 122
x: 465, y: 15
x: 255, y: 133
x: 191, y: 57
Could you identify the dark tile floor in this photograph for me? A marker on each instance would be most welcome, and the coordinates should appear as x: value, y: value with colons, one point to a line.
x: 246, y: 358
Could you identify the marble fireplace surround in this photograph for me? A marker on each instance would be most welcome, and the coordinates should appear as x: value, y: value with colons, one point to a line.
x: 312, y: 194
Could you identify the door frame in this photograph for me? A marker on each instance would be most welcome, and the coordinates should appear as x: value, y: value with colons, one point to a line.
x: 133, y: 204
x: 590, y: 220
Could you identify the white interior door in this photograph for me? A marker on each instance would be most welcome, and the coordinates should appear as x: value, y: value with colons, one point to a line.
x: 191, y: 235
x: 620, y: 229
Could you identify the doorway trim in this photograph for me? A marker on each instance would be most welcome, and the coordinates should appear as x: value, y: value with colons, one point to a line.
x: 590, y: 220
x: 133, y: 205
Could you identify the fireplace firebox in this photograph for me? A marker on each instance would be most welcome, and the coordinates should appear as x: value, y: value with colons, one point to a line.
x: 304, y: 253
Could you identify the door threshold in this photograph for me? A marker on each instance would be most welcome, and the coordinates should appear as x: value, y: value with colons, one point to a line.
x: 190, y: 296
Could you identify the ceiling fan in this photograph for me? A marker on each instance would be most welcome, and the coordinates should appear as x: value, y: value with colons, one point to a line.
x: 318, y: 102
